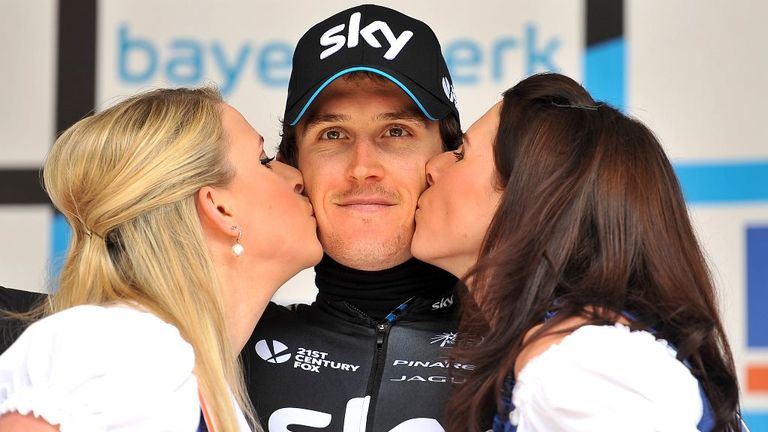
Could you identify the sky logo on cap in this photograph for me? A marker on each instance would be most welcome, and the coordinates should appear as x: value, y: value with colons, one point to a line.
x: 336, y: 41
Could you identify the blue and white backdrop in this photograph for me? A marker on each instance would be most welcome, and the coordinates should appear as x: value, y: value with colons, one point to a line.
x: 691, y: 70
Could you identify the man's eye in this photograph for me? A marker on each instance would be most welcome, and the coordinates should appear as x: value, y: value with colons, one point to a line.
x: 397, y: 132
x: 333, y: 134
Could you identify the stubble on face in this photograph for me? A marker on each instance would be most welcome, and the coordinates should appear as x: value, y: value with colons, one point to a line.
x: 368, y: 255
x: 364, y: 241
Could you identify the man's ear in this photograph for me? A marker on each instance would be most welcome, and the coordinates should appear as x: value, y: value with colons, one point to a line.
x: 214, y: 211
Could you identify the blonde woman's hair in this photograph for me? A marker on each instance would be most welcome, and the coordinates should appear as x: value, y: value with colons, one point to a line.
x: 126, y: 180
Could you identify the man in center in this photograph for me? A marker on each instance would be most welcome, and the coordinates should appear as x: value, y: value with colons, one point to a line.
x: 370, y: 100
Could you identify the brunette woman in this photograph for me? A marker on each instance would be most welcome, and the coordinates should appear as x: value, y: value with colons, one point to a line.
x: 590, y: 305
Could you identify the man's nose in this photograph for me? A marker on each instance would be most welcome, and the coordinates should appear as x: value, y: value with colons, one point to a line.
x: 366, y: 161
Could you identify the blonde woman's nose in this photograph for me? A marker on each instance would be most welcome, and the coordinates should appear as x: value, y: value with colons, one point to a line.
x: 292, y: 176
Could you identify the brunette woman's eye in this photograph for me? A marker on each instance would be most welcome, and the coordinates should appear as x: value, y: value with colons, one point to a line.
x: 459, y: 154
x: 266, y: 160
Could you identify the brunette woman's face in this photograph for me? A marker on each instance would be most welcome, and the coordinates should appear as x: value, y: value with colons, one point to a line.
x: 456, y: 210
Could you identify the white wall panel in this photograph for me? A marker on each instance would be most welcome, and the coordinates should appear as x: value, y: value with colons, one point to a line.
x: 24, y: 257
x: 696, y: 73
x: 28, y: 59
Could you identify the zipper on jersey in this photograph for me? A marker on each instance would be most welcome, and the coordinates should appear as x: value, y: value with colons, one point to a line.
x: 381, y: 330
x: 374, y: 382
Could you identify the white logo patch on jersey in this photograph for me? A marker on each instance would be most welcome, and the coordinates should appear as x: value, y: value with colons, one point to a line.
x: 444, y: 339
x: 272, y: 351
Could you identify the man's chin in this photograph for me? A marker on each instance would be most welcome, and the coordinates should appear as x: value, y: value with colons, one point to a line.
x: 368, y: 252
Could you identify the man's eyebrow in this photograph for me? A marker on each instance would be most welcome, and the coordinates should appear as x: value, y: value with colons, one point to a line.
x: 406, y: 115
x: 315, y: 119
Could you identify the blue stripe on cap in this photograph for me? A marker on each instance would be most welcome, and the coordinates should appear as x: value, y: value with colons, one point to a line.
x: 366, y: 69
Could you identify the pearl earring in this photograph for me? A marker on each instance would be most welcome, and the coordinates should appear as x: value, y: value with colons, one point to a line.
x: 237, y: 248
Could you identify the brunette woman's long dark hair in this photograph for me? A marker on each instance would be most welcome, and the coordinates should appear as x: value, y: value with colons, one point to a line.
x: 591, y: 218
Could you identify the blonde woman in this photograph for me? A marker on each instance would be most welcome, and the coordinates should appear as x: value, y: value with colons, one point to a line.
x: 182, y: 230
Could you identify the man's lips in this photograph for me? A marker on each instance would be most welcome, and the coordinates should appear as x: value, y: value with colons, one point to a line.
x: 366, y: 204
x: 362, y: 201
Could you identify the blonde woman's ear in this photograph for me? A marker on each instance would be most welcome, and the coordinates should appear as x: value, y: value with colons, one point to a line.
x: 214, y: 213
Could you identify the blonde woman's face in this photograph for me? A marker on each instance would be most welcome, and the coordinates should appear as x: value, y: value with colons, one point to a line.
x: 277, y: 221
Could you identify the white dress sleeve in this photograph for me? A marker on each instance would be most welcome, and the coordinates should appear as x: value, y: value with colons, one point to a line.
x: 606, y: 378
x: 94, y: 368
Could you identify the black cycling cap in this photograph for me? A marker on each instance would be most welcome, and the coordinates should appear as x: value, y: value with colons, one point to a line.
x: 375, y: 39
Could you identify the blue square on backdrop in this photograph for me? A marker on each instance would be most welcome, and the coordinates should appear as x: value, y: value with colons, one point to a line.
x: 60, y: 237
x: 757, y: 287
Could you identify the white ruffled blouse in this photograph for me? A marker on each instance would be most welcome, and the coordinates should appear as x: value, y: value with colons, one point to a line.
x: 96, y: 368
x: 606, y: 378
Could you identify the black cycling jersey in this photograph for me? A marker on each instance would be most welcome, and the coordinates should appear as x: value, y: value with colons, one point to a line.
x: 330, y: 366
x: 13, y: 300
x: 341, y: 363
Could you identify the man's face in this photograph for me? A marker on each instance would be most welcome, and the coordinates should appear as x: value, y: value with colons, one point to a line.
x: 362, y: 149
